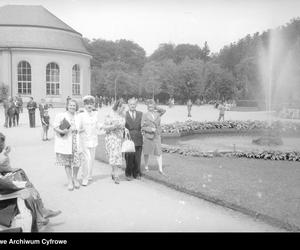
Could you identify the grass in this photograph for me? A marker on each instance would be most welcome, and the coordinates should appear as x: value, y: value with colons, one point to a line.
x: 265, y: 189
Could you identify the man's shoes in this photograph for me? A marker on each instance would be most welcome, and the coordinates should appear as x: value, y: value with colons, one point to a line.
x: 138, y: 177
x: 51, y: 213
x: 128, y: 178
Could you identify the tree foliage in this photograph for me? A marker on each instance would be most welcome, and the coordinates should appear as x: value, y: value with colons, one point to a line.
x: 190, y: 71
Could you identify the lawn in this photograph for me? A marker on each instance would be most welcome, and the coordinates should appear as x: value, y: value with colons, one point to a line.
x: 269, y: 190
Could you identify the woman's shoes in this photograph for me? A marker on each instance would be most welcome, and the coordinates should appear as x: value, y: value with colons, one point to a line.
x: 51, y: 213
x: 76, y: 184
x: 117, y: 180
x: 162, y: 173
x: 70, y: 187
x: 146, y: 169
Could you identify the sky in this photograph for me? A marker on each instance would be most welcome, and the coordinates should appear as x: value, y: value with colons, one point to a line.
x: 152, y: 22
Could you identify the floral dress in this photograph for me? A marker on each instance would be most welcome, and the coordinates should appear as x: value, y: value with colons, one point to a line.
x: 114, y: 138
x: 73, y: 160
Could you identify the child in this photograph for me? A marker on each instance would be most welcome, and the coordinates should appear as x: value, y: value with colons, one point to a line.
x: 45, y: 123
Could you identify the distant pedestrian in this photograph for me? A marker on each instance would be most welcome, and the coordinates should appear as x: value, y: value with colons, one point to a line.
x: 5, y: 108
x: 17, y: 111
x: 20, y: 103
x: 222, y: 109
x: 45, y: 124
x: 97, y: 102
x: 189, y: 105
x: 67, y: 101
x: 31, y: 106
x: 11, y: 112
x: 42, y: 107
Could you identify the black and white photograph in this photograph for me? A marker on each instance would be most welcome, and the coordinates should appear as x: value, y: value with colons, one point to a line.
x: 149, y: 116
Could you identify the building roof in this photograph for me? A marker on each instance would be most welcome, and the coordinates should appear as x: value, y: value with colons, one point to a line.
x: 33, y: 26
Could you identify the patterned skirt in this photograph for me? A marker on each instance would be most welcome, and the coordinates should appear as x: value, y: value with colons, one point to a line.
x: 74, y: 159
x: 113, y: 147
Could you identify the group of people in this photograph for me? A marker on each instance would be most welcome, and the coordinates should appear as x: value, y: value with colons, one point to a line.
x: 13, y: 106
x: 76, y: 139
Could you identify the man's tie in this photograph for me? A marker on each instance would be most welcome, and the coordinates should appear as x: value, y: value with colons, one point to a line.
x: 133, y: 115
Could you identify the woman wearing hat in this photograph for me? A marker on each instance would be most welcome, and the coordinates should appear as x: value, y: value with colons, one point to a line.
x: 89, y: 138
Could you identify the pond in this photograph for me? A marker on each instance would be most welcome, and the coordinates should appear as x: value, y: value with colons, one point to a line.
x: 227, y: 142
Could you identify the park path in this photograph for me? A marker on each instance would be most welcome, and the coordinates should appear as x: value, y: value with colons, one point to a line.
x: 104, y: 206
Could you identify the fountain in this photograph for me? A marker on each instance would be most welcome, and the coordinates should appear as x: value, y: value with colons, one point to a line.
x: 271, y: 66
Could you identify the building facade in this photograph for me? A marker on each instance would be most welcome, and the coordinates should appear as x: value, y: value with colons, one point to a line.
x: 41, y: 56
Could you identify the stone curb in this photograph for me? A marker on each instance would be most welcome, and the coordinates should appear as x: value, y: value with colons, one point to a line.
x: 254, y: 214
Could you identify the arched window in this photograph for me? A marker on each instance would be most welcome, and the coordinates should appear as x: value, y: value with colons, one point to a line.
x: 76, y: 80
x: 52, y: 79
x: 24, y: 78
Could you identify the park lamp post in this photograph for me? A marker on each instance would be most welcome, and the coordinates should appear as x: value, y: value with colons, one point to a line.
x: 116, y: 79
x: 116, y: 86
x: 189, y: 91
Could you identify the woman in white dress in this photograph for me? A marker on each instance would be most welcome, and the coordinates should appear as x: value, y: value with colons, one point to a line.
x: 67, y: 144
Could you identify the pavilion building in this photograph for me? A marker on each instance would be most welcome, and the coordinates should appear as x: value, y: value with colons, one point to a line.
x: 41, y: 56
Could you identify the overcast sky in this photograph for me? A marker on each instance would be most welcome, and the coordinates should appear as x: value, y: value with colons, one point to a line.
x: 151, y: 22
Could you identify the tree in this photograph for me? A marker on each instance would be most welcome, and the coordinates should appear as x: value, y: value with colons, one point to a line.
x: 151, y: 79
x: 168, y: 78
x: 131, y: 54
x: 248, y: 82
x: 165, y: 51
x: 219, y: 83
x: 116, y: 79
x: 190, y: 82
x: 205, y: 52
x: 183, y: 51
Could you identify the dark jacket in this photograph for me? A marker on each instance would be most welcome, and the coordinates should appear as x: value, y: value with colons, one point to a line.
x: 134, y: 127
x: 11, y: 109
x: 31, y: 106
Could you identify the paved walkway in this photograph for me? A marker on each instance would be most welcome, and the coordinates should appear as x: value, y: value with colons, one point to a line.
x: 105, y: 206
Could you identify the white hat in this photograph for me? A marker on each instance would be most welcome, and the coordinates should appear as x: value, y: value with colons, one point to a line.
x: 88, y: 97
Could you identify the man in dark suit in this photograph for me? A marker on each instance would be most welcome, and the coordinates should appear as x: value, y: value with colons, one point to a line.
x: 133, y: 120
x: 31, y: 106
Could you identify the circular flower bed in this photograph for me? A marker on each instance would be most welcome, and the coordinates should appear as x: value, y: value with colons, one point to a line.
x: 193, y: 127
x: 266, y: 155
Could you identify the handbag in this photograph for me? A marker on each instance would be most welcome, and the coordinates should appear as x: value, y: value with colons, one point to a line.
x: 128, y: 144
x: 64, y: 124
x: 149, y: 135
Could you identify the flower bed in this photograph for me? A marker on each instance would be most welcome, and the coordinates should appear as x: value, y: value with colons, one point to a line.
x: 194, y: 127
x: 266, y: 155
